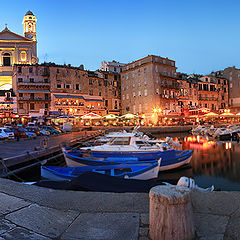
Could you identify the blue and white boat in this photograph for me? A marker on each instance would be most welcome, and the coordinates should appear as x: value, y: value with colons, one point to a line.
x: 140, y: 171
x: 128, y: 148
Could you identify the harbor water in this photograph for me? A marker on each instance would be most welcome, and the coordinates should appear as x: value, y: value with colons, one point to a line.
x: 213, y: 163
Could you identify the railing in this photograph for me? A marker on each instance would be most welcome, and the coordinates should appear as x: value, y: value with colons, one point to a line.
x: 207, y: 99
x: 45, y: 73
x: 33, y: 83
x: 169, y: 97
x: 168, y: 74
x: 208, y: 90
x: 8, y: 99
x: 69, y: 105
x: 167, y: 85
x: 34, y: 99
x: 183, y: 97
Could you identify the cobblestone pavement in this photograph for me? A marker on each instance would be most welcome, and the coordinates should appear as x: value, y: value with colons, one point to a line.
x: 31, y: 212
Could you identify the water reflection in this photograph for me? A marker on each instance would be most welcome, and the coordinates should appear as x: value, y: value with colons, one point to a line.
x: 216, y: 163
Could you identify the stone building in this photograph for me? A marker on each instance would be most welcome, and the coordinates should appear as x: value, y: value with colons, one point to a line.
x: 71, y: 92
x: 17, y: 49
x: 111, y: 91
x: 55, y: 89
x: 232, y: 74
x: 8, y: 103
x: 113, y: 66
x: 31, y: 84
x: 213, y: 92
x: 207, y: 93
x: 188, y: 91
x: 223, y: 91
x: 149, y: 83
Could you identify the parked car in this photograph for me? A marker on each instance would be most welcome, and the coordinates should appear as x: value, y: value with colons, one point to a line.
x: 19, y: 133
x: 31, y: 124
x: 34, y: 130
x: 7, y: 125
x: 30, y: 134
x: 3, y: 135
x: 9, y: 132
x: 50, y: 129
x: 44, y: 132
x: 59, y: 129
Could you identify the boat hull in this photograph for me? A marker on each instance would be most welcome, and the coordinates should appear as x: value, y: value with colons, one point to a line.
x: 128, y: 171
x: 176, y: 164
x: 169, y: 160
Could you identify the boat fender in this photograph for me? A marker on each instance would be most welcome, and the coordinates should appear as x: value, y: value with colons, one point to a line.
x: 190, y: 183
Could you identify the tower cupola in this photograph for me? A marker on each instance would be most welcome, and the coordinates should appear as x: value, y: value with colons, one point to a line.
x: 29, y: 26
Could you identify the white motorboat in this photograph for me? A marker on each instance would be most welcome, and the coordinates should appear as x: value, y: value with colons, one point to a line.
x: 128, y: 148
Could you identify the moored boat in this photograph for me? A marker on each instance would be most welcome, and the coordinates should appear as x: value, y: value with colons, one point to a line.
x: 128, y: 148
x: 140, y: 171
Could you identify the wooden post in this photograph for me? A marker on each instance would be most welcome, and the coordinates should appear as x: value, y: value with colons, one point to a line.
x: 171, y: 216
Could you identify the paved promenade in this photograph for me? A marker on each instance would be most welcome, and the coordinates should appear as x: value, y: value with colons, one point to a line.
x: 30, y: 212
x: 14, y: 148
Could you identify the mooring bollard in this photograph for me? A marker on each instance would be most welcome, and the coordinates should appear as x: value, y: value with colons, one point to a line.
x: 171, y: 216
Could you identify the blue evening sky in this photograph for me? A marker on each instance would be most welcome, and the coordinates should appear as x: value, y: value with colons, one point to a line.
x: 200, y: 35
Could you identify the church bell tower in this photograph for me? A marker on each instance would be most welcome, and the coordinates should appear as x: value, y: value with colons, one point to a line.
x: 29, y: 26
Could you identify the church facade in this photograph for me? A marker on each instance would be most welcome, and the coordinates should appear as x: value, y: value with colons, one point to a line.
x: 17, y: 49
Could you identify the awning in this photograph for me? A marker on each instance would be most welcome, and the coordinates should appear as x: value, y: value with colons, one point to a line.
x: 33, y: 91
x: 84, y: 97
x: 129, y: 116
x: 91, y: 116
x: 210, y: 114
x: 110, y: 116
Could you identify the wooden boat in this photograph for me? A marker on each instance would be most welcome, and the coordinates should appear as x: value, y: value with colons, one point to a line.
x: 141, y: 171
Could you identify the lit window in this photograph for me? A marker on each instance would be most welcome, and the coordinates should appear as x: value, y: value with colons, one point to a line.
x: 23, y: 56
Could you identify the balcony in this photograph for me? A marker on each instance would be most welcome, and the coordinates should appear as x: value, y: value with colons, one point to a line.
x: 169, y: 97
x: 168, y: 74
x: 183, y: 97
x: 33, y: 83
x: 8, y: 99
x: 33, y: 99
x: 207, y: 99
x: 207, y: 90
x: 69, y: 105
x: 167, y: 85
x: 46, y: 72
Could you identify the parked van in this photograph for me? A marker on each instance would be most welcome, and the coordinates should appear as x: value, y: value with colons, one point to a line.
x: 9, y: 132
x: 31, y: 124
x: 3, y: 135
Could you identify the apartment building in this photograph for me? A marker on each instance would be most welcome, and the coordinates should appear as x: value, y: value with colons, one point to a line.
x: 232, y: 75
x: 149, y: 83
x: 207, y: 93
x: 31, y: 84
x: 188, y: 91
x: 50, y: 89
x: 8, y: 103
x: 113, y: 66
